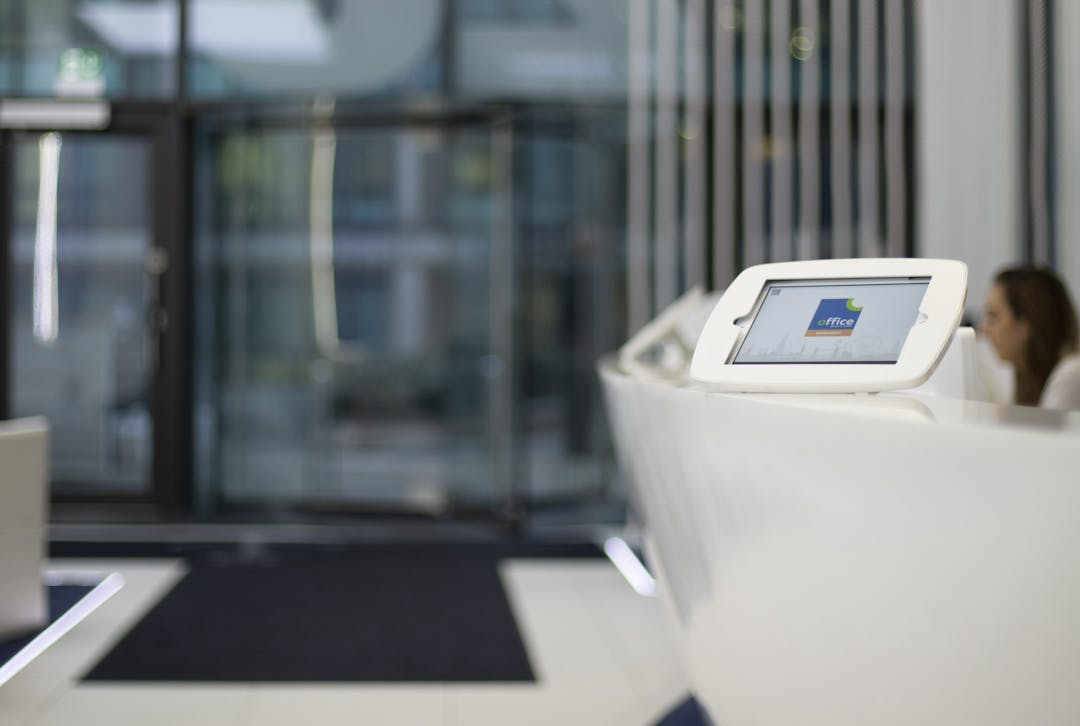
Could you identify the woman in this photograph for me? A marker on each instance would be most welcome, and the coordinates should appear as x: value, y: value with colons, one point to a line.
x: 1032, y: 325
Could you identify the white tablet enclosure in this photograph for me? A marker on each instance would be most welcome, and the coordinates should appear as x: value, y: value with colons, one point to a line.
x: 831, y: 325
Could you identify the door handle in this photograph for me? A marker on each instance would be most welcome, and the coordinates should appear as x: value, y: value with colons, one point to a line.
x: 157, y: 317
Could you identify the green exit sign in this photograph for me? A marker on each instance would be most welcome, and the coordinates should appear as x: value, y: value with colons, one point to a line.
x: 81, y: 72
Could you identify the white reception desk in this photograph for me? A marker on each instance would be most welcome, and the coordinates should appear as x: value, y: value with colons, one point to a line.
x: 857, y: 559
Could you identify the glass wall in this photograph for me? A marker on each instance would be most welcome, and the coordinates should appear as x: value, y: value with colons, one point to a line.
x: 406, y: 222
x: 89, y: 48
x: 540, y: 50
x: 345, y: 337
x: 402, y: 284
x: 407, y: 315
x: 387, y: 49
x: 80, y: 297
x: 410, y: 50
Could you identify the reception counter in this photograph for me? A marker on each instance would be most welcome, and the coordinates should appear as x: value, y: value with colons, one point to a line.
x: 855, y: 559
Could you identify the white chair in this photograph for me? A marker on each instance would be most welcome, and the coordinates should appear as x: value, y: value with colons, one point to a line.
x: 23, y: 496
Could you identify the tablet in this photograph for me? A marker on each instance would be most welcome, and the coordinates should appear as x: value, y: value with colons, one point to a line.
x: 831, y: 325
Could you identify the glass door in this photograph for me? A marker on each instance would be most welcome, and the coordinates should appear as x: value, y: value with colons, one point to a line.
x: 84, y: 268
x: 352, y: 296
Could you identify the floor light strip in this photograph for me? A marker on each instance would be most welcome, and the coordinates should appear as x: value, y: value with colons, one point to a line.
x: 629, y: 566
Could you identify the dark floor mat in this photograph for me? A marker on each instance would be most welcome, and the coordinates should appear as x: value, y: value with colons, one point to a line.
x: 686, y: 713
x: 420, y: 613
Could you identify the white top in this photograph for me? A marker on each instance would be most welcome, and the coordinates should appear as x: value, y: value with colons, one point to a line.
x: 1062, y: 389
x: 831, y: 326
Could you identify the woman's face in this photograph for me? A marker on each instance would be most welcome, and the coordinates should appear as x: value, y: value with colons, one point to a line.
x: 1006, y: 332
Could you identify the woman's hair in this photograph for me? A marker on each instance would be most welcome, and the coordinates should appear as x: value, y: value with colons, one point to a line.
x: 1037, y: 296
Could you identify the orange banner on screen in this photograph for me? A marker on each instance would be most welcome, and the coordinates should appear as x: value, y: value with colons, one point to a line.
x: 816, y: 333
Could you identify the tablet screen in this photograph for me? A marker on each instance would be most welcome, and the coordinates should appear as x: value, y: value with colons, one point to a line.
x: 856, y: 321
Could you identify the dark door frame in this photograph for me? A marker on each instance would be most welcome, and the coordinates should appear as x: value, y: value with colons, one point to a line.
x: 170, y: 482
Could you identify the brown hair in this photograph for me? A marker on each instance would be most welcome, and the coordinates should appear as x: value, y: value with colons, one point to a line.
x: 1037, y: 296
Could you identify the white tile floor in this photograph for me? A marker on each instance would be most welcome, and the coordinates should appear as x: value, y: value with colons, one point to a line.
x: 601, y: 654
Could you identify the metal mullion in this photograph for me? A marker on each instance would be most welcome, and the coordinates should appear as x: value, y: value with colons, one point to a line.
x: 1064, y: 65
x: 1038, y: 137
x: 724, y: 177
x: 173, y: 450
x: 808, y: 241
x: 840, y: 129
x: 753, y: 135
x: 895, y: 152
x: 911, y: 183
x: 782, y: 138
x: 1050, y: 130
x: 869, y: 242
x: 694, y: 151
x: 666, y: 248
x: 639, y: 171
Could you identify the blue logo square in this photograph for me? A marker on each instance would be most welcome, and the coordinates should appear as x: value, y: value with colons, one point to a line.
x: 834, y: 316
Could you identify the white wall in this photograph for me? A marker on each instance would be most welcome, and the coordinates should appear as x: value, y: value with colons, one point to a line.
x: 968, y: 135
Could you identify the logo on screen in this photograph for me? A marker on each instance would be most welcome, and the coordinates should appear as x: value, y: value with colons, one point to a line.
x: 834, y: 316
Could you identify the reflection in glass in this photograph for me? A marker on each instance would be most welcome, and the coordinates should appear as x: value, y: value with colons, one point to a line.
x: 45, y: 305
x: 81, y: 228
x: 541, y: 50
x: 472, y: 274
x: 407, y: 225
x: 321, y: 242
x: 373, y: 47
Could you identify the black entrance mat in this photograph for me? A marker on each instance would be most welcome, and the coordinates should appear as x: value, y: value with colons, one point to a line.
x: 686, y: 713
x: 419, y: 613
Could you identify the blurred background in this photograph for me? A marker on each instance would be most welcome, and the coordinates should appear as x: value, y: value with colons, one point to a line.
x: 324, y: 261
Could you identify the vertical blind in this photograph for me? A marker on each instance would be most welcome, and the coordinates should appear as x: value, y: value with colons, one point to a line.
x: 1037, y: 147
x: 764, y: 130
